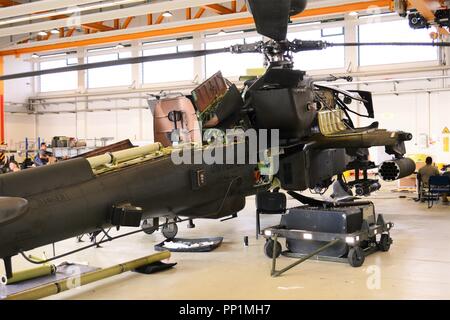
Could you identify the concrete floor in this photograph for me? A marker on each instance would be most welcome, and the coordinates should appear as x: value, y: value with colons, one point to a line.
x: 416, y: 267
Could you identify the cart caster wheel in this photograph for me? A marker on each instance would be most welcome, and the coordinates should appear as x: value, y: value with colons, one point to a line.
x: 385, y: 243
x: 356, y: 257
x: 170, y: 231
x: 148, y: 227
x: 268, y: 249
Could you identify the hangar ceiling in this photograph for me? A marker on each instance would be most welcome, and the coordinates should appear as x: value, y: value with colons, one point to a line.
x: 53, y: 24
x: 42, y: 25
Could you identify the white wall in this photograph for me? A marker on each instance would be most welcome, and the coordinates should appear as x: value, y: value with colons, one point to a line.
x: 18, y: 90
x: 417, y: 108
x: 418, y: 112
x: 18, y: 126
x: 439, y: 119
x: 134, y: 124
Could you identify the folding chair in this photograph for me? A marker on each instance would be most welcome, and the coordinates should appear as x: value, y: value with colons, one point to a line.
x: 437, y: 186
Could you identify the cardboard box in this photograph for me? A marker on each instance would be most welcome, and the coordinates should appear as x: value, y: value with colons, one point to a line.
x: 411, y: 181
x: 408, y: 182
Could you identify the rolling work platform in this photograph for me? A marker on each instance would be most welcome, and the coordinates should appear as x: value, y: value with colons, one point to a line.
x: 337, y: 232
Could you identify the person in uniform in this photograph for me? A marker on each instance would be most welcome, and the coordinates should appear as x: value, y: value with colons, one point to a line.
x: 423, y: 177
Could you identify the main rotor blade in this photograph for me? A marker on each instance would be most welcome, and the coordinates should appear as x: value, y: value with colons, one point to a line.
x: 394, y: 44
x: 134, y: 60
x: 310, y: 45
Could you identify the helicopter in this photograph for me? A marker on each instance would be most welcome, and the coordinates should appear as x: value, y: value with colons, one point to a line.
x: 316, y: 140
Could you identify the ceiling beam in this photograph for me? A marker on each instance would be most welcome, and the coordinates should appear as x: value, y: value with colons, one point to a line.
x: 45, y: 38
x: 97, y: 26
x: 127, y: 22
x: 70, y: 32
x: 188, y: 13
x: 105, y: 16
x: 182, y: 27
x: 40, y: 6
x: 218, y: 8
x: 69, y: 11
x: 234, y: 6
x: 8, y: 3
x: 199, y: 13
x: 159, y: 19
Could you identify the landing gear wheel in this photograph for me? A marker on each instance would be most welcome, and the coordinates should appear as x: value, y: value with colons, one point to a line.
x: 356, y: 257
x: 268, y: 249
x: 385, y: 243
x: 170, y: 230
x: 148, y: 227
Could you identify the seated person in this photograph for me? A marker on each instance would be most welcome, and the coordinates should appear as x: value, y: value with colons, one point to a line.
x: 424, y: 175
x: 27, y: 163
x: 43, y: 157
x: 14, y: 166
x: 427, y: 171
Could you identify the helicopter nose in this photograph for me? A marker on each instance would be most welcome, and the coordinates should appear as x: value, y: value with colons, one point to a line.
x: 11, y: 208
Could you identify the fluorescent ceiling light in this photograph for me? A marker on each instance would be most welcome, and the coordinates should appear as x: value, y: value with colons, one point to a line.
x: 68, y: 11
x: 167, y: 14
x: 42, y: 33
x: 153, y: 7
x: 54, y: 31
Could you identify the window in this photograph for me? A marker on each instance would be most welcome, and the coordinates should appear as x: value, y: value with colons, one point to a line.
x: 109, y: 76
x: 393, y: 31
x: 58, y: 81
x: 232, y: 65
x: 331, y: 58
x: 169, y: 70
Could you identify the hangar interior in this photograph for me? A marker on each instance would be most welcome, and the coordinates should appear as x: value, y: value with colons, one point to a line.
x: 97, y: 107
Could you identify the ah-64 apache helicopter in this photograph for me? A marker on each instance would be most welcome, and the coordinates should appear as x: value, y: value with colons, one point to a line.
x: 317, y: 141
